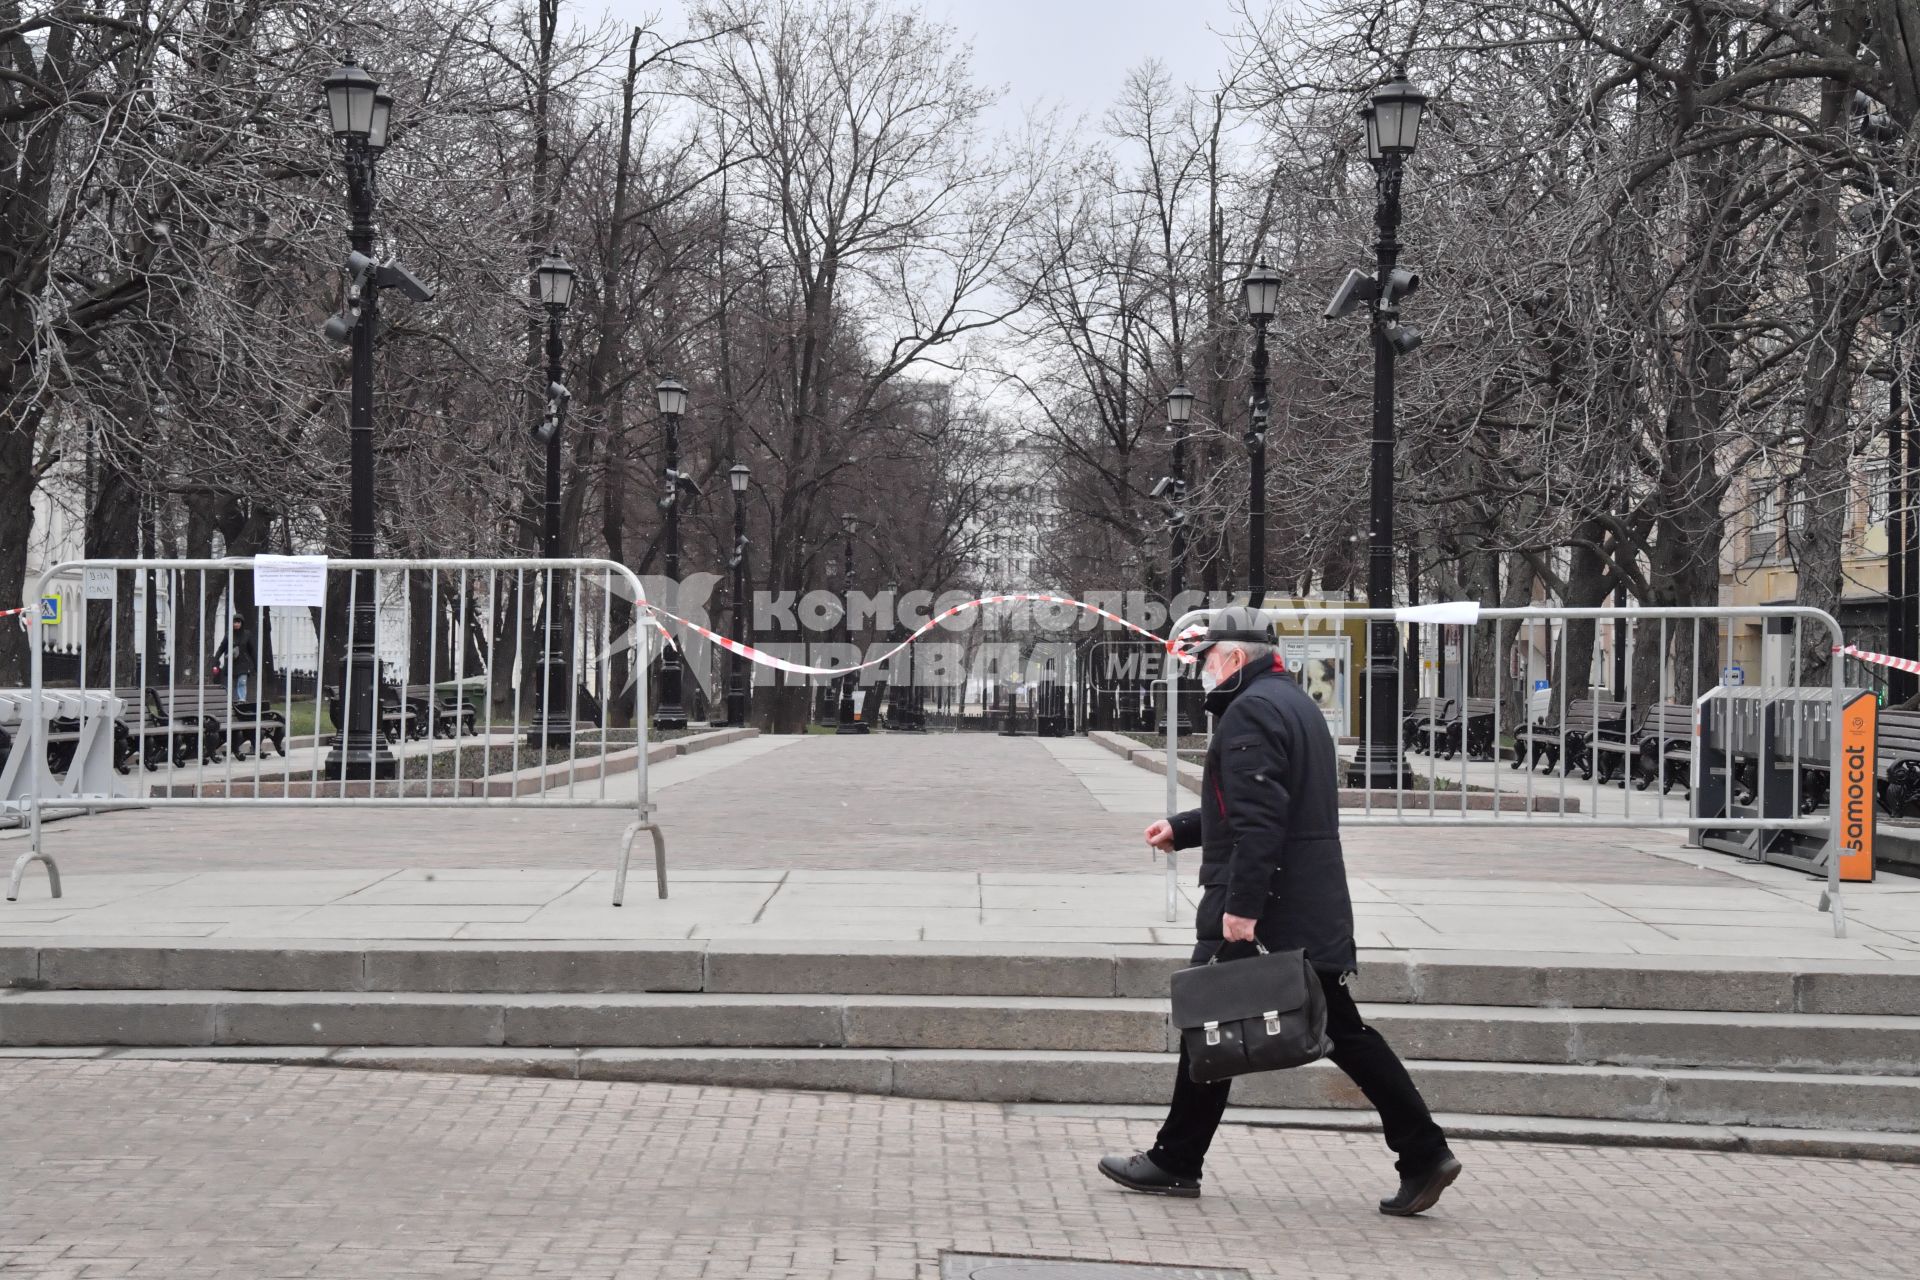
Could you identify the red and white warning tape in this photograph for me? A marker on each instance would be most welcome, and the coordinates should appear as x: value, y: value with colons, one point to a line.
x: 752, y: 654
x: 1879, y: 659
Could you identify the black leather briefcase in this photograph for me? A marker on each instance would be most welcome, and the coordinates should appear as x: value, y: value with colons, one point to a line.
x: 1264, y: 1013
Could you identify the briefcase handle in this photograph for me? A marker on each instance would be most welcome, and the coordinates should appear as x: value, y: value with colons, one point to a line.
x: 1215, y: 957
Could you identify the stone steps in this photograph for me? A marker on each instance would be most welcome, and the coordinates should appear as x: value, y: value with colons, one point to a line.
x: 1496, y: 979
x: 1802, y: 1045
x: 1840, y: 1044
x: 1773, y: 1100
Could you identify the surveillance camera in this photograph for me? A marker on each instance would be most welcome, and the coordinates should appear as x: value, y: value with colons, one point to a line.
x: 395, y: 276
x: 557, y: 393
x: 1405, y: 340
x: 1401, y: 285
x: 1357, y: 288
x: 548, y: 425
x: 338, y: 328
x: 1161, y: 487
x: 357, y: 266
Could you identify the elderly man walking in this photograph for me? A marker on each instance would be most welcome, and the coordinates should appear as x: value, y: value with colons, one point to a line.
x: 1271, y: 869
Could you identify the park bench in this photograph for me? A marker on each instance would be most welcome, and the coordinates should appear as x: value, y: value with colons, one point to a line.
x: 398, y: 719
x: 445, y: 712
x: 1471, y: 729
x: 152, y: 737
x: 1564, y: 744
x: 226, y: 724
x: 1663, y: 747
x: 1896, y: 768
x: 1425, y: 721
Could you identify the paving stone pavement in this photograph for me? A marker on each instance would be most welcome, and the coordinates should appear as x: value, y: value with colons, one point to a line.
x: 254, y: 1173
x: 896, y: 802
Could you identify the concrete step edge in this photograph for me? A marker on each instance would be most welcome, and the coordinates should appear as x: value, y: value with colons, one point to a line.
x: 1429, y: 978
x: 876, y: 1073
x: 1839, y: 1144
x: 1781, y: 1046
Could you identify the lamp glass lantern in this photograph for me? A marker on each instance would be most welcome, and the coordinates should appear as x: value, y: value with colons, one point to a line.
x: 350, y: 94
x: 671, y: 396
x: 555, y: 278
x: 1371, y: 123
x: 1261, y: 290
x: 1394, y: 128
x: 382, y: 117
x: 1179, y: 403
x: 737, y: 476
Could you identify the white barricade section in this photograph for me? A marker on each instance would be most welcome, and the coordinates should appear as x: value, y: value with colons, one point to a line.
x: 411, y: 683
x: 1480, y: 694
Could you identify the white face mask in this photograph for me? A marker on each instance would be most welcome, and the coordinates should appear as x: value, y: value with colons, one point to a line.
x: 1208, y: 680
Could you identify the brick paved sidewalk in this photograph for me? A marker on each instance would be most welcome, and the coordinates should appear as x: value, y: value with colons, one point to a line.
x: 255, y: 1173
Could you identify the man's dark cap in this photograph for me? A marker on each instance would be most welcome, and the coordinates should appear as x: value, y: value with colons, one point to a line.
x: 1236, y: 622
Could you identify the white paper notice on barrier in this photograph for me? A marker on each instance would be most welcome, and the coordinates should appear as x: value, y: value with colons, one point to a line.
x: 1448, y: 613
x: 294, y: 582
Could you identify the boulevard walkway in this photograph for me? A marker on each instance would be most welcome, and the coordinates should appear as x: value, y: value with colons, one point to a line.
x: 885, y: 838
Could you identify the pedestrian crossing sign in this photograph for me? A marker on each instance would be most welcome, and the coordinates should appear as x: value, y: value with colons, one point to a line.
x: 49, y: 611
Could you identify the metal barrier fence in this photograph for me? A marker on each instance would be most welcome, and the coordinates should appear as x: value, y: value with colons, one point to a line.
x: 1501, y: 699
x: 499, y: 692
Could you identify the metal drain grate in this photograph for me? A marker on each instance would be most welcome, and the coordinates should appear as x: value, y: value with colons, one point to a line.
x: 987, y: 1266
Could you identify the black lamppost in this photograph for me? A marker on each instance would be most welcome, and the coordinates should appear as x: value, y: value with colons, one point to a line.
x: 738, y: 477
x: 904, y: 713
x: 553, y: 726
x: 671, y: 397
x: 359, y: 113
x: 848, y: 722
x: 1261, y: 292
x: 1392, y: 119
x: 1179, y: 413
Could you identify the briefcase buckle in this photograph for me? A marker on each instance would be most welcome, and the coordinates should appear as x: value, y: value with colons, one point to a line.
x: 1273, y: 1021
x: 1213, y: 1033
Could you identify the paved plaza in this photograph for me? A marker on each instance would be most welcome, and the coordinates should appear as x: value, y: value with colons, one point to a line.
x: 256, y: 1173
x: 118, y: 1165
x: 941, y: 838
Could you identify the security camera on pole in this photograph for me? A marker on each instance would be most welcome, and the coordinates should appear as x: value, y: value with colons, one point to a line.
x: 1392, y: 120
x: 360, y: 112
x: 553, y: 726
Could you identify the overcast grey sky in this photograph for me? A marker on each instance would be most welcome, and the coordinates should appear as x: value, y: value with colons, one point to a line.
x: 1070, y: 53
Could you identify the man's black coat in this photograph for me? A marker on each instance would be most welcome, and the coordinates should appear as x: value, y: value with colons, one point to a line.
x: 1268, y: 824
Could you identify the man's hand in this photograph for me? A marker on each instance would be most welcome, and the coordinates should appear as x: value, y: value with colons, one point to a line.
x: 1237, y: 928
x: 1160, y: 836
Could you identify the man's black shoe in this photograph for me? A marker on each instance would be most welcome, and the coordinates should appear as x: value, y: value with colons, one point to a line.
x: 1417, y: 1195
x: 1138, y: 1172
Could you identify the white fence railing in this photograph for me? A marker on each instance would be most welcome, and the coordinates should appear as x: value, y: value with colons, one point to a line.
x: 1481, y: 695
x: 413, y: 683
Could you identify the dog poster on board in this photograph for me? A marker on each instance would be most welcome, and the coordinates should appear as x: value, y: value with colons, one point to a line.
x: 1322, y: 665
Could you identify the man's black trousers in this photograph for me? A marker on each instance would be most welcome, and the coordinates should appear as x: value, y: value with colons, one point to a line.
x: 1358, y: 1050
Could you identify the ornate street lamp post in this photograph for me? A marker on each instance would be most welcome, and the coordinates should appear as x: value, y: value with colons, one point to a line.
x: 1392, y: 119
x: 738, y: 477
x: 359, y: 113
x: 671, y: 397
x: 848, y: 721
x: 1179, y: 413
x: 553, y: 727
x: 1261, y: 292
